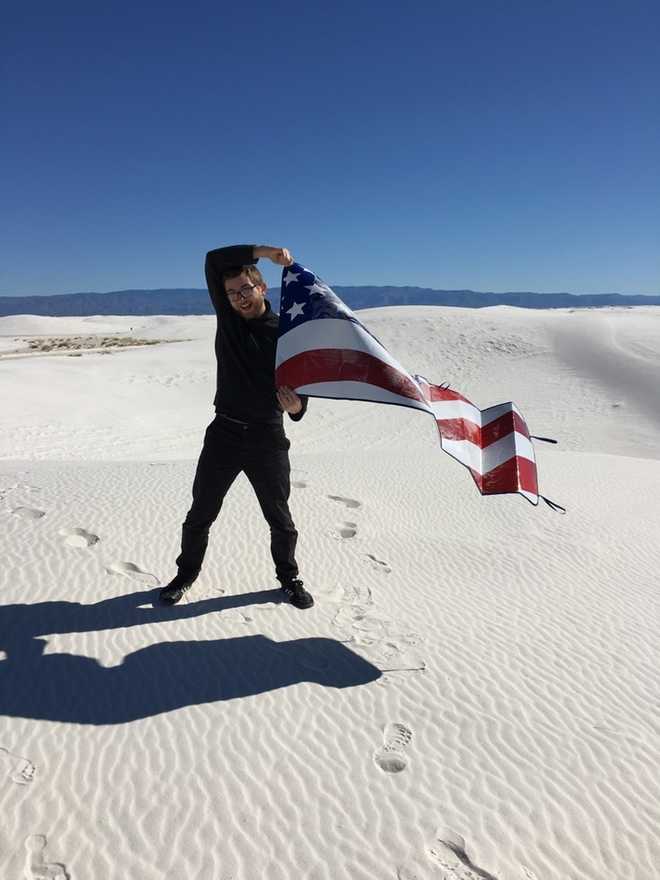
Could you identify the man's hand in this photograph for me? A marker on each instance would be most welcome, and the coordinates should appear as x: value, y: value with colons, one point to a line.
x: 289, y: 400
x: 280, y: 256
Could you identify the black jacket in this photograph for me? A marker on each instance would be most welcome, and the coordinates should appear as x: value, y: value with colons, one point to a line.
x: 245, y: 350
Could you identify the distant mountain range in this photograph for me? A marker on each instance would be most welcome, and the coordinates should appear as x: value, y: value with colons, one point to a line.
x: 195, y: 301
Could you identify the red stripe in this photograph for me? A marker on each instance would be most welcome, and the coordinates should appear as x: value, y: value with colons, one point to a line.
x: 344, y: 365
x: 435, y: 392
x: 463, y: 429
x: 460, y: 429
x: 513, y: 475
x: 507, y: 423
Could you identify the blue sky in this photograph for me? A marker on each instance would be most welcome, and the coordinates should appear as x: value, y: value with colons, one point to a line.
x: 511, y: 146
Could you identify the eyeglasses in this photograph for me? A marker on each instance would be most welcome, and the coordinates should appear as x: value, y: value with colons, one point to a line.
x: 244, y: 292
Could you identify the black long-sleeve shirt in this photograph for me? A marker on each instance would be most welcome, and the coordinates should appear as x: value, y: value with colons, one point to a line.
x: 245, y: 349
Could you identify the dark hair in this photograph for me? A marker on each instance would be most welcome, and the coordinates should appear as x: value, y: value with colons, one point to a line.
x: 250, y: 270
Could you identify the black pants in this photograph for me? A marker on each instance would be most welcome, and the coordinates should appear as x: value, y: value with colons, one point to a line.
x: 262, y: 452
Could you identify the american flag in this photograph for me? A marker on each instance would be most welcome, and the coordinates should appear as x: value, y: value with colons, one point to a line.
x: 324, y: 351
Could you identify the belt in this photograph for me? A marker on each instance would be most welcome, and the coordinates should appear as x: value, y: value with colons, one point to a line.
x: 248, y: 424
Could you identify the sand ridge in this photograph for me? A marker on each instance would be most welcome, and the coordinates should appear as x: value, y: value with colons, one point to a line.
x: 472, y: 696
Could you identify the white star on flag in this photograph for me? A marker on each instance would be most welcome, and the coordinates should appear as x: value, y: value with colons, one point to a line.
x: 295, y: 310
x: 316, y: 288
x: 289, y: 277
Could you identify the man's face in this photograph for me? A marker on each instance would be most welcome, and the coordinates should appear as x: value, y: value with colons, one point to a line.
x: 246, y: 297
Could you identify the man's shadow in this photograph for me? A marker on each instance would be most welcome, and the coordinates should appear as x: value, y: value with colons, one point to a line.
x: 159, y: 678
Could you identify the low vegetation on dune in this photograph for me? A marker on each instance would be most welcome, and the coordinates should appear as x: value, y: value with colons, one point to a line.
x: 66, y: 343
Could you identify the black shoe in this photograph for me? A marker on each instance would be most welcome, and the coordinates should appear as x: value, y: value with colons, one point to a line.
x: 173, y: 592
x: 296, y: 593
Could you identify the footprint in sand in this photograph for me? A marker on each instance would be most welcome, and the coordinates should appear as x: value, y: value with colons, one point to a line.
x: 388, y: 656
x: 357, y: 594
x: 79, y: 538
x: 134, y: 572
x: 36, y: 866
x: 345, y: 619
x: 347, y: 530
x: 449, y: 861
x: 377, y: 632
x: 448, y: 851
x: 28, y: 512
x: 391, y: 756
x: 349, y: 502
x: 385, y: 643
x: 379, y: 564
x: 20, y: 770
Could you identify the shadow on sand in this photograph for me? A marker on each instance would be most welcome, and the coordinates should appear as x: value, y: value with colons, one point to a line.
x: 159, y: 678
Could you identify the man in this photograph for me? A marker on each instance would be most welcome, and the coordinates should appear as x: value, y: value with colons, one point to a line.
x: 247, y: 433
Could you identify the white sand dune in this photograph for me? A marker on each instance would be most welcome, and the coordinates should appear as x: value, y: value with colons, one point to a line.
x: 474, y: 694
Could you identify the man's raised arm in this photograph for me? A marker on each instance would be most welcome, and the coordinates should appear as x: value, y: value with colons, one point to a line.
x: 221, y: 259
x: 217, y: 262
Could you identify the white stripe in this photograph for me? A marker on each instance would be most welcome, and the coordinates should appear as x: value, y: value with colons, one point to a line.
x: 524, y: 447
x: 332, y: 333
x: 504, y: 449
x: 484, y: 461
x: 460, y: 409
x: 456, y: 409
x: 494, y: 412
x: 359, y: 391
x: 464, y: 451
